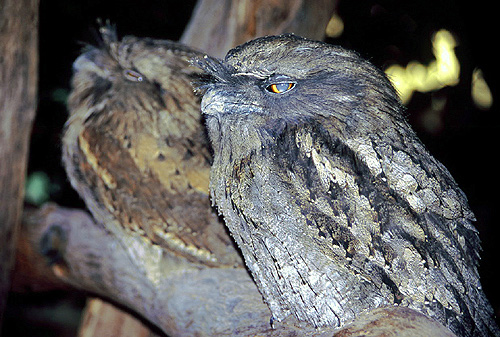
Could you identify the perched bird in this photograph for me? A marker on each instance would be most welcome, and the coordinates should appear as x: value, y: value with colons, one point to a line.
x: 335, y: 203
x: 135, y: 149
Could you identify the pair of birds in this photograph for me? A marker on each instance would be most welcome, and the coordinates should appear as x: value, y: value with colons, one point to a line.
x: 333, y: 201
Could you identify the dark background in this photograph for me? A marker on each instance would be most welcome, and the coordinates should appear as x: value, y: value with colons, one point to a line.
x: 386, y: 32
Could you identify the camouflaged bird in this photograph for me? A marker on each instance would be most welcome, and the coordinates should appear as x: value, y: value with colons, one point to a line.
x: 135, y: 149
x: 335, y: 203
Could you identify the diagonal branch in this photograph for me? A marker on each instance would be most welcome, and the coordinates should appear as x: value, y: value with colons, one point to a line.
x: 187, y: 299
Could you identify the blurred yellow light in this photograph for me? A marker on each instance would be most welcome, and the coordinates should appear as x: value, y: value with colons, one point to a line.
x: 481, y: 93
x: 335, y: 26
x: 441, y: 72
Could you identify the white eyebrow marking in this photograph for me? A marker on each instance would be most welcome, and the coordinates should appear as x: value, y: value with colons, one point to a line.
x: 260, y: 76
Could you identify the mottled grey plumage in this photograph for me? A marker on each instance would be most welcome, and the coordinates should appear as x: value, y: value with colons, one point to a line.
x: 334, y: 201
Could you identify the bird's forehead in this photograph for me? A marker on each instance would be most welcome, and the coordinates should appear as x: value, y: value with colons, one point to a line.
x: 285, y: 54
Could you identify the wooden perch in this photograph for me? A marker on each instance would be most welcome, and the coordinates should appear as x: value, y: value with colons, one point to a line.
x: 185, y: 299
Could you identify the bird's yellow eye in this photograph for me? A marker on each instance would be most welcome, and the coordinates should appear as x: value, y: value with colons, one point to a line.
x: 280, y: 88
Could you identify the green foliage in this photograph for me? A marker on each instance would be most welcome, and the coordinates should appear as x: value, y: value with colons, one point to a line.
x: 37, y: 189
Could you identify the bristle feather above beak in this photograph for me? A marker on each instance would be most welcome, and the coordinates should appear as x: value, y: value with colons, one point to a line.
x: 214, y: 72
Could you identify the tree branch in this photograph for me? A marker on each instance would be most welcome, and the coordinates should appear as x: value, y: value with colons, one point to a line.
x: 186, y: 299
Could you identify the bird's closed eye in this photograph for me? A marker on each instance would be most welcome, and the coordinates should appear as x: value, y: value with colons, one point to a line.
x: 132, y: 75
x: 280, y: 88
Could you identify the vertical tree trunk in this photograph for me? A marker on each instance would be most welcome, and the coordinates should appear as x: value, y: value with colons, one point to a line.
x: 219, y: 25
x: 18, y: 89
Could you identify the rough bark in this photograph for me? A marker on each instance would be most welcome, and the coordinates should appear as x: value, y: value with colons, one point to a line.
x: 18, y: 79
x: 187, y: 300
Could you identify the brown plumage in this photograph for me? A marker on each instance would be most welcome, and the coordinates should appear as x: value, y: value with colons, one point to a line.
x: 337, y: 206
x: 135, y: 150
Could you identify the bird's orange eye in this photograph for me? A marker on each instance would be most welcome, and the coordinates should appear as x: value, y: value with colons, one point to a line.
x: 280, y: 88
